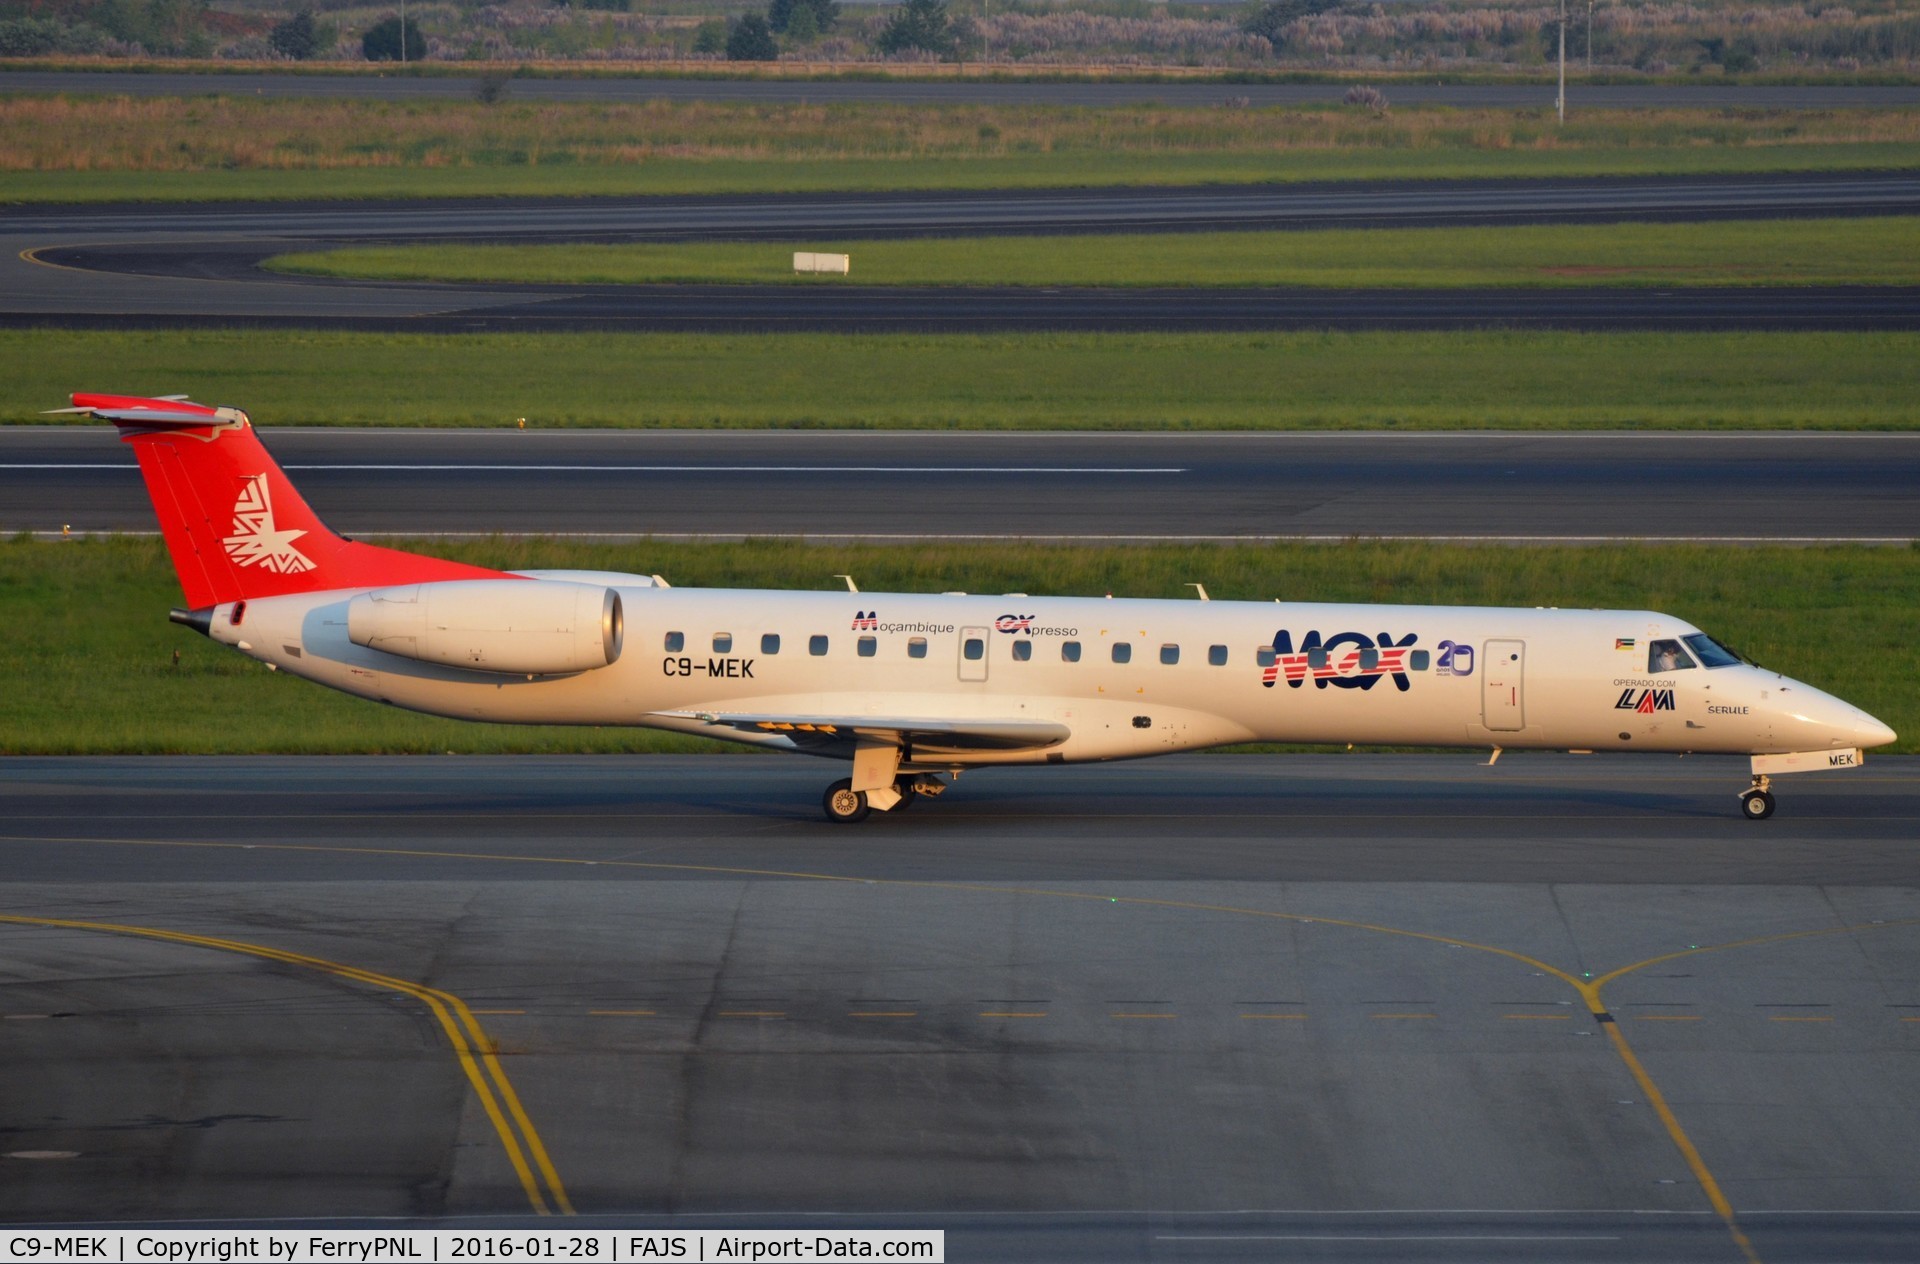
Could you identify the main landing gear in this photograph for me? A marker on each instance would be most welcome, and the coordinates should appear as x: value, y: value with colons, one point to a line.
x: 846, y: 806
x: 1757, y: 804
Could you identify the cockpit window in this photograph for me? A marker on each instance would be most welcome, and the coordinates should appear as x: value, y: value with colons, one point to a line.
x: 1667, y: 656
x: 1710, y: 652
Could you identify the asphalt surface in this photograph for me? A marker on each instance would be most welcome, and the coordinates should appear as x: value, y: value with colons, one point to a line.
x: 1793, y: 487
x: 197, y: 265
x: 938, y: 92
x: 1200, y: 1007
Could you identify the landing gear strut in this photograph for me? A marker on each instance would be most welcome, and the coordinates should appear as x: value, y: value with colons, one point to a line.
x: 1756, y: 804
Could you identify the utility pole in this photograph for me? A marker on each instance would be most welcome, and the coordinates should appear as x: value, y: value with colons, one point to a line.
x: 1589, y: 39
x: 1561, y: 104
x: 403, y: 34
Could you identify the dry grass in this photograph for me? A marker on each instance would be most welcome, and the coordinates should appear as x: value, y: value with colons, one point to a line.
x: 225, y: 133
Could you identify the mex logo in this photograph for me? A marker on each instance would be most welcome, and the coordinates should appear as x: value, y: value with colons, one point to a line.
x: 866, y: 620
x: 1645, y: 701
x: 1341, y: 665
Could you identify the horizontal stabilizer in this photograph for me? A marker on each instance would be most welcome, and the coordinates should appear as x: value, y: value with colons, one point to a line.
x: 165, y: 412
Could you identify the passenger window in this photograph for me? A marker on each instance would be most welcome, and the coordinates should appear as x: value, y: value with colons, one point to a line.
x: 1667, y: 656
x: 1217, y: 655
x: 1169, y: 655
x: 1022, y: 651
x: 1264, y: 656
x: 1369, y: 660
x: 917, y: 647
x: 974, y: 650
x: 1122, y: 652
x: 723, y: 642
x: 1069, y: 651
x: 1317, y: 659
x: 865, y: 646
x: 676, y: 641
x: 817, y: 646
x: 1417, y: 661
x: 770, y: 643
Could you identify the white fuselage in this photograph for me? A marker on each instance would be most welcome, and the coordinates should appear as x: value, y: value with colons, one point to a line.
x: 1195, y: 674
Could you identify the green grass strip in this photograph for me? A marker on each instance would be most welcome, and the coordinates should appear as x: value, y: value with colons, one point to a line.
x: 1508, y: 380
x: 90, y: 669
x: 1069, y: 169
x: 1766, y: 252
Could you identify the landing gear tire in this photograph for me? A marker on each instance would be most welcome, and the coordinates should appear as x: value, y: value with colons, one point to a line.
x: 1756, y: 805
x: 845, y: 805
x: 907, y: 793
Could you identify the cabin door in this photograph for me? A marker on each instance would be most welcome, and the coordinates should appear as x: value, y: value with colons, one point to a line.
x: 1503, y: 697
x: 973, y: 653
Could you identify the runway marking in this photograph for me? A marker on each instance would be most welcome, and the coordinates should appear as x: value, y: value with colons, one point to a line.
x: 622, y: 1013
x: 1143, y: 1015
x: 1273, y: 1016
x: 1588, y: 988
x: 752, y: 1013
x: 661, y: 469
x: 1034, y: 537
x: 882, y: 1013
x: 471, y: 1044
x: 1013, y: 1013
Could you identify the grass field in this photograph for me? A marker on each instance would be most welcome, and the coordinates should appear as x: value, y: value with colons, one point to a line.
x: 1772, y: 252
x: 66, y: 148
x: 90, y: 669
x: 1519, y: 380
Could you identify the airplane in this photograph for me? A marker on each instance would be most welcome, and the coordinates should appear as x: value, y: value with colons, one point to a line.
x: 915, y: 688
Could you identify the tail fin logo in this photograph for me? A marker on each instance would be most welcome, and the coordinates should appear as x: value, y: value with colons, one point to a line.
x: 255, y: 540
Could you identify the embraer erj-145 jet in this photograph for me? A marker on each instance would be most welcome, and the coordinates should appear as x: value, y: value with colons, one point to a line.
x: 914, y: 688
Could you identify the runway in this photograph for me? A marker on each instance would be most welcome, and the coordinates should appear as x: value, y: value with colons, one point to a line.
x: 920, y: 91
x: 1364, y: 1007
x: 146, y: 266
x: 1763, y: 486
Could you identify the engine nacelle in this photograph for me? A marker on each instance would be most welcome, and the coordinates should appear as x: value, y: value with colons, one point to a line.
x: 518, y: 626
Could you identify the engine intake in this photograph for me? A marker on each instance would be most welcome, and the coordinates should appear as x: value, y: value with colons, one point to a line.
x: 512, y: 626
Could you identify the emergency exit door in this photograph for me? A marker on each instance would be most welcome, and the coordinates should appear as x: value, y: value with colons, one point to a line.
x: 1503, y: 697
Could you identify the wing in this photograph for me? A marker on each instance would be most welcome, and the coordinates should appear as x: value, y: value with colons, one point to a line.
x: 162, y: 412
x: 921, y: 734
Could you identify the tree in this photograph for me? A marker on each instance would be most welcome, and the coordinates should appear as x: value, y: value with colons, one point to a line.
x: 751, y: 40
x: 710, y: 36
x: 917, y: 24
x: 299, y: 37
x: 802, y: 26
x: 382, y: 41
x: 1269, y: 20
x: 781, y: 14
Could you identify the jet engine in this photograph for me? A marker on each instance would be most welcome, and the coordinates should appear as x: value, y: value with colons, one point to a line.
x: 517, y: 626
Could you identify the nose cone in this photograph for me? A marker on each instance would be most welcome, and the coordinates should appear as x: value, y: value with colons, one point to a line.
x: 1870, y: 732
x: 1825, y: 720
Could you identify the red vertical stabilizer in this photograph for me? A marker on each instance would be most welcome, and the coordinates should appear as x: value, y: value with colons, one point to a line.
x: 235, y: 526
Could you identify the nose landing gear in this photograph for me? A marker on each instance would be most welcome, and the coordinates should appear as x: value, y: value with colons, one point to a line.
x: 1756, y: 804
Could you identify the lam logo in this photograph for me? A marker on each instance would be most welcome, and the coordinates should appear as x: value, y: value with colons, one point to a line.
x: 1645, y: 701
x: 256, y: 541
